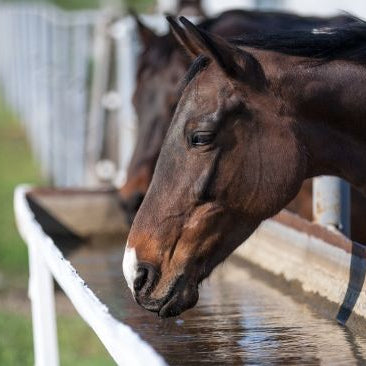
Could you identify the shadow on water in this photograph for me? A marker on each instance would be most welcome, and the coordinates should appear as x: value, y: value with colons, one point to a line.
x: 357, y: 276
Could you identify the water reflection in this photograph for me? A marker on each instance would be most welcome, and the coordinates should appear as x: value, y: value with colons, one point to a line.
x: 239, y: 320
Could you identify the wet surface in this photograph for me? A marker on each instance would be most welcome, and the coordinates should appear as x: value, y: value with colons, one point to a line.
x: 239, y: 320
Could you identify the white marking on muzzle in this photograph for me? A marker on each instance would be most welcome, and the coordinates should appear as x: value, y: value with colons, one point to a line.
x: 130, y: 266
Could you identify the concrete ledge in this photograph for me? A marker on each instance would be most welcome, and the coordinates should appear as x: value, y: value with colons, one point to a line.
x: 322, y: 261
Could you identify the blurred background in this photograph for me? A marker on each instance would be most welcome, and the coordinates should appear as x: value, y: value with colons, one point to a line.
x: 67, y: 72
x: 19, y: 162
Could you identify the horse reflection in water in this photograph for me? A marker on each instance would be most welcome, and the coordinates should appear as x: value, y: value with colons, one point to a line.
x: 255, y: 119
x: 160, y: 67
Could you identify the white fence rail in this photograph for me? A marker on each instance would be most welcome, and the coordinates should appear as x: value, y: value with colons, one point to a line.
x: 47, y: 262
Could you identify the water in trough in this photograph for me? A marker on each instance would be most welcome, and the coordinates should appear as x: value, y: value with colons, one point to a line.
x: 239, y: 320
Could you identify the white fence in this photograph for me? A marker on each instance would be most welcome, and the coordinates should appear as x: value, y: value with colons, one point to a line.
x: 45, y: 67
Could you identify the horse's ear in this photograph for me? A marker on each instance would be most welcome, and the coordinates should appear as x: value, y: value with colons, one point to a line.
x: 236, y: 63
x: 181, y: 36
x: 214, y: 47
x: 145, y: 33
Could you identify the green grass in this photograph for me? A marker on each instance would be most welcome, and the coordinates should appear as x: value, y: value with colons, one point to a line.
x: 16, y: 346
x: 77, y: 347
x: 16, y: 166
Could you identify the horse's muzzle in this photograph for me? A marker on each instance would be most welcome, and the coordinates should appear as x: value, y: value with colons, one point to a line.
x: 182, y: 296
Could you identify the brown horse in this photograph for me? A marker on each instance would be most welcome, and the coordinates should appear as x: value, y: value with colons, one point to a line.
x: 161, y: 65
x: 255, y: 118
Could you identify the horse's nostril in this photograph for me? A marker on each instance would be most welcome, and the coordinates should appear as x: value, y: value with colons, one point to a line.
x: 141, y: 278
x: 145, y: 278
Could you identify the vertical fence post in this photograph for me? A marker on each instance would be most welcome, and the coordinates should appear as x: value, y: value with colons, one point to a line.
x: 126, y: 50
x: 95, y: 130
x: 78, y: 92
x: 331, y: 203
x: 41, y: 293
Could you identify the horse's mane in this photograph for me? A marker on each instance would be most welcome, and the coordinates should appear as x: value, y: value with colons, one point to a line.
x: 346, y: 43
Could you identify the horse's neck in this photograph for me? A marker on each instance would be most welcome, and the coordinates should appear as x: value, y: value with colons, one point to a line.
x: 328, y: 104
x: 331, y: 152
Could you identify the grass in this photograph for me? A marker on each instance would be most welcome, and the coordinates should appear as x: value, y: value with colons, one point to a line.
x: 77, y: 347
x: 16, y: 166
x: 78, y: 344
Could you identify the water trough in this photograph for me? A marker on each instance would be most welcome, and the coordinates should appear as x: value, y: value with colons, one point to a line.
x: 275, y: 300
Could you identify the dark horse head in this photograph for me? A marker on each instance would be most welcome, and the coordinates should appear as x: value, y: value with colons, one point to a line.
x: 217, y: 177
x: 162, y: 64
x: 253, y: 121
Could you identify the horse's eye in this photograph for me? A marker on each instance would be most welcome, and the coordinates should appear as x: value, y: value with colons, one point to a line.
x: 202, y: 138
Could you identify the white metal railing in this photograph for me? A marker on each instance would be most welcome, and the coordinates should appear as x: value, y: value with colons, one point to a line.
x: 47, y: 262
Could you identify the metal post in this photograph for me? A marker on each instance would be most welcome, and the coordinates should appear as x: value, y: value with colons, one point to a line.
x: 41, y: 294
x: 331, y: 203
